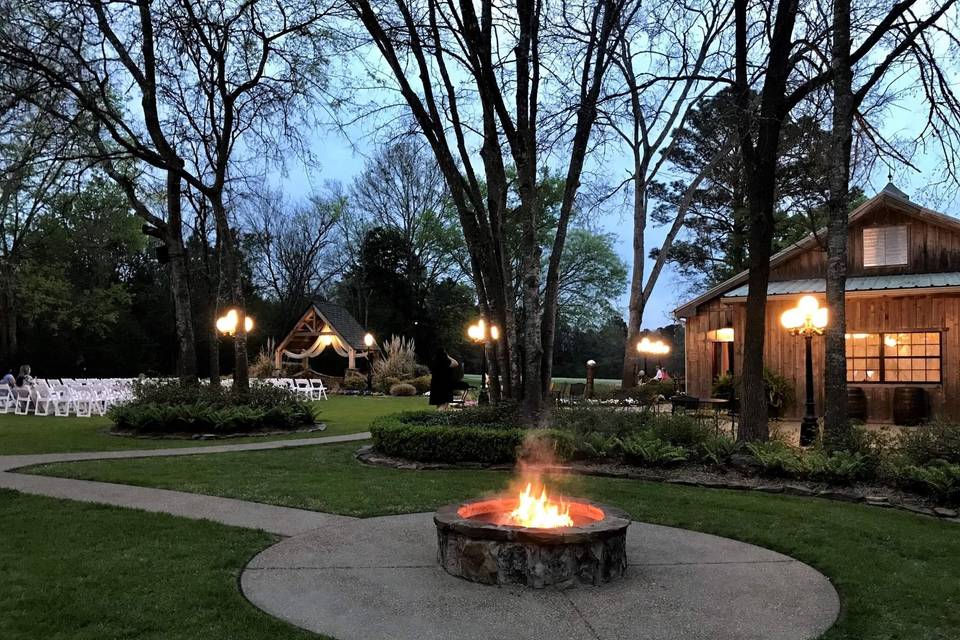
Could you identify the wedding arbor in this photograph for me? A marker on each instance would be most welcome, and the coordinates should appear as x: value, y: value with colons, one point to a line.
x: 323, y: 325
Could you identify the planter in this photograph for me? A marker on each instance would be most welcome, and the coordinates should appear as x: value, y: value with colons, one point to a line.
x: 856, y: 404
x: 909, y: 406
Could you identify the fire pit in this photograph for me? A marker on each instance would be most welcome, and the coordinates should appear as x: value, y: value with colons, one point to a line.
x: 533, y: 541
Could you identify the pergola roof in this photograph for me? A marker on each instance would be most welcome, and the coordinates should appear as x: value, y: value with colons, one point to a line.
x: 342, y: 322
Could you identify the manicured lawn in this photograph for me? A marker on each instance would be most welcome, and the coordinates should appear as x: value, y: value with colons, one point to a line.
x: 74, y: 571
x: 32, y: 434
x: 898, y: 574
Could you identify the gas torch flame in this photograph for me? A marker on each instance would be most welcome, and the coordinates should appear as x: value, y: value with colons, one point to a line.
x: 539, y: 513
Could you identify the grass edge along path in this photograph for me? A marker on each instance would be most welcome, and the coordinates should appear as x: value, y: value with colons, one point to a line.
x: 897, y: 573
x: 78, y: 571
x: 21, y: 435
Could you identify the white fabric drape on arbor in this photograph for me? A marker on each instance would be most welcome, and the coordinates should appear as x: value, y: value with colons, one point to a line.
x: 318, y: 346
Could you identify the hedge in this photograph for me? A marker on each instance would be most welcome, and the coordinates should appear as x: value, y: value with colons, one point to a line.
x: 169, y: 408
x: 393, y: 436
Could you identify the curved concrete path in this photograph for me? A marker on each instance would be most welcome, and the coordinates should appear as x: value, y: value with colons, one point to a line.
x: 378, y: 579
x: 284, y: 521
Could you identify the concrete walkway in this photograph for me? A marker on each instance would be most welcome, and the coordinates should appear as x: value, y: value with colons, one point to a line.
x: 282, y: 521
x: 378, y: 579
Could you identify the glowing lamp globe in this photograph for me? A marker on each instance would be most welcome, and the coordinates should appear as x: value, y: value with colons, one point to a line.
x: 820, y: 318
x: 808, y: 305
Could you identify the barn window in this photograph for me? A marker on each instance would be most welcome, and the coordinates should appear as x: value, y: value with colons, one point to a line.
x: 885, y: 246
x: 893, y: 357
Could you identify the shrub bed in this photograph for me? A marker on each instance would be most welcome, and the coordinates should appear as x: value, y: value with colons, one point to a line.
x: 170, y: 408
x: 396, y: 436
x: 925, y: 460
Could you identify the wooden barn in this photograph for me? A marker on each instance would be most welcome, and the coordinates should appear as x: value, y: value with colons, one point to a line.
x: 903, y: 311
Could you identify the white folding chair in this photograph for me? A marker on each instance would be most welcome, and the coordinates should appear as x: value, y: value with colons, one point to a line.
x: 25, y: 398
x: 66, y: 403
x: 303, y: 388
x: 8, y: 399
x: 44, y: 399
x: 319, y: 391
x: 99, y: 399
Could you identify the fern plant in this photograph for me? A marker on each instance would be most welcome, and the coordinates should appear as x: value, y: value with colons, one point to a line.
x: 646, y: 449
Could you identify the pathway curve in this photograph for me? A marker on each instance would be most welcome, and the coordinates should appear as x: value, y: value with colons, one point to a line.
x: 284, y: 521
x: 377, y: 578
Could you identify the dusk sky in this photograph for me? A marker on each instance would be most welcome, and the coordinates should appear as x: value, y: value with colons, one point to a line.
x: 340, y: 159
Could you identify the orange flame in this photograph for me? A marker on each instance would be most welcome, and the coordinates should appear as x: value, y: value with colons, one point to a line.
x: 539, y: 513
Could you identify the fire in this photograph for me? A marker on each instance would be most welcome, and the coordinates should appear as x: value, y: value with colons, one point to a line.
x: 539, y: 513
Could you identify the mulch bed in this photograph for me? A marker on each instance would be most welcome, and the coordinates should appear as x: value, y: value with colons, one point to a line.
x: 704, y: 477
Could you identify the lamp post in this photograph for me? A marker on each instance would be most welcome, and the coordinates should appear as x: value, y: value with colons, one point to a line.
x: 227, y: 323
x: 648, y: 347
x: 368, y: 342
x: 481, y: 334
x: 807, y: 319
x: 591, y: 375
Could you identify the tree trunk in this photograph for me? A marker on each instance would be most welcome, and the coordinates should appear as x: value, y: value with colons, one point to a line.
x: 637, y: 299
x: 760, y: 163
x: 214, y: 350
x: 754, y: 410
x: 232, y: 260
x: 8, y: 319
x: 180, y: 284
x: 836, y: 426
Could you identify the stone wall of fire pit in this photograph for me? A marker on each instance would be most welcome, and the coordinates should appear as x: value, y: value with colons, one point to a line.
x: 472, y: 546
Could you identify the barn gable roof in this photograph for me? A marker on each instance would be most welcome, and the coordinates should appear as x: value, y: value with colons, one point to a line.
x: 889, y: 196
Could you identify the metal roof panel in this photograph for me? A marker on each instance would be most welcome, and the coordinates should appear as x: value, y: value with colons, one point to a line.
x: 861, y: 283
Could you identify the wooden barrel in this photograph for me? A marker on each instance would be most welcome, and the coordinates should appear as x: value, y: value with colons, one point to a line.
x: 909, y: 405
x: 856, y: 404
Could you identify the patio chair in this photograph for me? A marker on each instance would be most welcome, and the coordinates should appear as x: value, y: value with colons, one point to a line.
x: 460, y: 397
x: 577, y: 390
x: 562, y: 392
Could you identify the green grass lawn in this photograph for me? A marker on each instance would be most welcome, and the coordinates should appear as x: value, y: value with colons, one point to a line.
x: 898, y: 574
x: 32, y: 434
x: 74, y: 571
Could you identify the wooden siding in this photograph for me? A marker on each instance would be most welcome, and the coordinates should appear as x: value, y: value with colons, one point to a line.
x: 785, y: 354
x: 932, y: 249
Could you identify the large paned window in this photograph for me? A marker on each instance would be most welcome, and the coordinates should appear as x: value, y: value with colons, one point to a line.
x: 893, y: 357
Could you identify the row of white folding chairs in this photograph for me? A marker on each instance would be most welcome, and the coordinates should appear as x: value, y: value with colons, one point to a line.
x: 312, y: 388
x: 54, y: 397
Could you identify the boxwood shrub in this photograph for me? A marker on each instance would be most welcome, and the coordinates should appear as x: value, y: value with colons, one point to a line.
x: 402, y: 436
x: 170, y: 408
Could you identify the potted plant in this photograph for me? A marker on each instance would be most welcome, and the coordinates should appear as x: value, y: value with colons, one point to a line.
x: 779, y: 393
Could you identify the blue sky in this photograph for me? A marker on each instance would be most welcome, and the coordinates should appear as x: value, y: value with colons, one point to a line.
x: 339, y: 159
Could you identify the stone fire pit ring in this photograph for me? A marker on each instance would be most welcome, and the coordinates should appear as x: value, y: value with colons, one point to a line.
x: 472, y: 546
